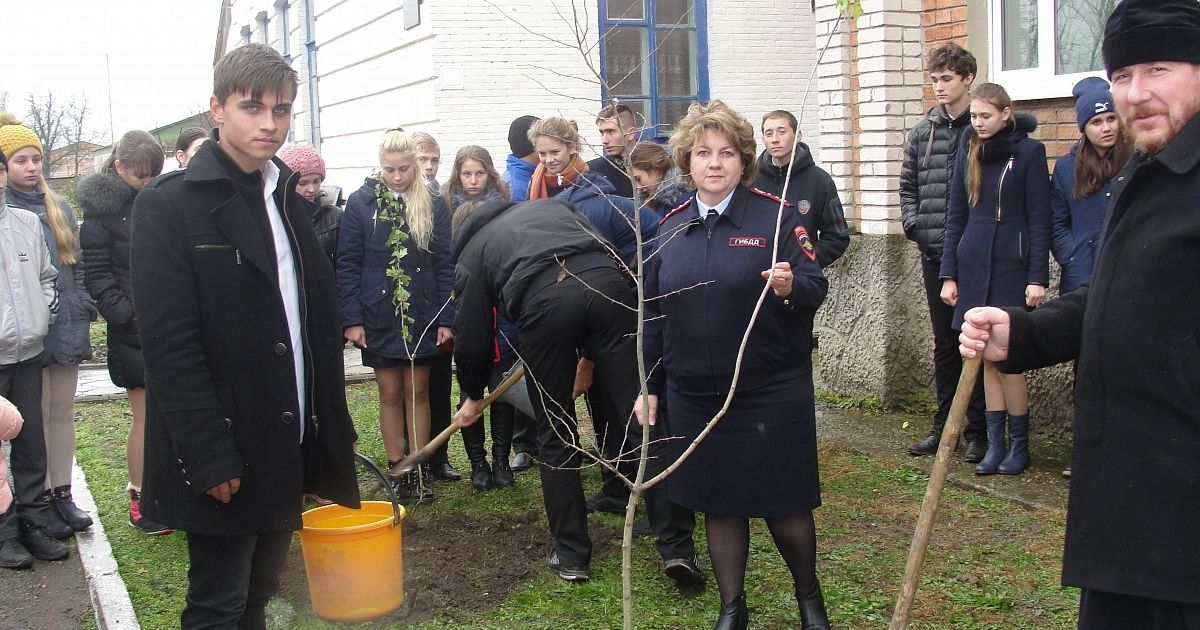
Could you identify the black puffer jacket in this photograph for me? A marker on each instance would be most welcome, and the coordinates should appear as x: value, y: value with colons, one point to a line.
x: 812, y: 192
x: 925, y: 176
x: 107, y: 202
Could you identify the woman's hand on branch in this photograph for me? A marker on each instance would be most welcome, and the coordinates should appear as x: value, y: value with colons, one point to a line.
x: 649, y: 413
x: 356, y: 335
x: 469, y: 413
x: 781, y: 278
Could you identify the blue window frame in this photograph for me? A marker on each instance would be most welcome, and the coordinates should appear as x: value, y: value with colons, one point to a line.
x: 654, y: 58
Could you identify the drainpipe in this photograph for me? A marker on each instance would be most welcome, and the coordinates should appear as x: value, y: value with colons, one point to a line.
x: 308, y: 35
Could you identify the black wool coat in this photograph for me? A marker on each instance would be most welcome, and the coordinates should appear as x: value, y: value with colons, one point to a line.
x: 221, y: 388
x: 1134, y: 507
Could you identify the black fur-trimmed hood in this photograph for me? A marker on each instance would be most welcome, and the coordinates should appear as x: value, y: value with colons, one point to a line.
x: 104, y: 194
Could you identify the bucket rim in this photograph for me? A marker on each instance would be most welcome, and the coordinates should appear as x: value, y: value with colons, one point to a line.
x: 388, y: 520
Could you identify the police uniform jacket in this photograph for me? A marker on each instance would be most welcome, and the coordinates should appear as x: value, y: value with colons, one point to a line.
x: 704, y: 287
x: 221, y: 399
x: 1134, y: 505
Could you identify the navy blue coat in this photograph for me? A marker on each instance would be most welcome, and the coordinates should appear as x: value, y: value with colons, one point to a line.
x: 365, y: 290
x: 596, y: 198
x: 1076, y: 224
x: 999, y: 245
x: 710, y: 284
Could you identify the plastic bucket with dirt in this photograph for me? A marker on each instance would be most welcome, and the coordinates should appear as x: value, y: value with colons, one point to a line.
x: 354, y: 558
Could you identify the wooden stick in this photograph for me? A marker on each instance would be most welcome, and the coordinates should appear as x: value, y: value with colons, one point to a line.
x: 410, y: 462
x: 933, y: 493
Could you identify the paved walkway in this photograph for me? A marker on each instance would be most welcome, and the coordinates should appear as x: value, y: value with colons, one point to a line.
x: 91, y: 569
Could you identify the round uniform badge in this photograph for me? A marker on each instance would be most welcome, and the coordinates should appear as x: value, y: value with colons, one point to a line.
x: 804, y: 206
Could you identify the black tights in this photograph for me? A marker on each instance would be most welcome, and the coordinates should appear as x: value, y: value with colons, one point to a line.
x: 729, y: 545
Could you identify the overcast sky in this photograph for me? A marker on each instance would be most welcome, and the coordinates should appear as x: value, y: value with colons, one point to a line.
x: 159, y: 57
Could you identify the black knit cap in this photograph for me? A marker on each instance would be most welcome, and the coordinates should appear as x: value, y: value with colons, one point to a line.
x: 1141, y: 31
x: 518, y: 136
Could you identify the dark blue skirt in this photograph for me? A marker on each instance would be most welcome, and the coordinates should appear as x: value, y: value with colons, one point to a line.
x: 759, y: 461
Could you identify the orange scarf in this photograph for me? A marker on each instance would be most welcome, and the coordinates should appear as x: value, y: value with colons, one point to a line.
x: 543, y: 180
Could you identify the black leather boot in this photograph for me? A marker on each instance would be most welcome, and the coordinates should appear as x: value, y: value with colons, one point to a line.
x: 424, y: 486
x: 812, y: 608
x: 56, y: 526
x: 481, y: 475
x: 996, y: 446
x: 734, y: 615
x: 65, y: 506
x: 40, y: 544
x: 502, y: 474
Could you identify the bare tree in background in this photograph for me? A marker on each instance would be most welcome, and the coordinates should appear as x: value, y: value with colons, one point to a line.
x: 46, y: 115
x: 76, y: 134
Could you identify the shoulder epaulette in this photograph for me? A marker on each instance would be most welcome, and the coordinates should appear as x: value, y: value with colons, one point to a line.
x: 672, y: 213
x: 763, y: 193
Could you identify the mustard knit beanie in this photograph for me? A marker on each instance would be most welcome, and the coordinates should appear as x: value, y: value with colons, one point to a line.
x: 14, y: 136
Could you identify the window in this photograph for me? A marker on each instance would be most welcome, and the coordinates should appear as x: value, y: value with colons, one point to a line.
x: 281, y: 25
x: 1041, y: 48
x: 654, y: 58
x: 263, y: 21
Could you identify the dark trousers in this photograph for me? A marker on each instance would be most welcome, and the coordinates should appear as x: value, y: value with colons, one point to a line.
x: 439, y: 403
x: 21, y: 384
x: 610, y: 435
x: 231, y: 578
x: 501, y: 417
x: 947, y: 362
x: 559, y: 320
x: 1106, y: 611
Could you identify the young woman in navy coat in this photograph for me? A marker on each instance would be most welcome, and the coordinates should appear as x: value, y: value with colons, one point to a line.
x: 398, y: 340
x: 996, y: 250
x: 702, y: 284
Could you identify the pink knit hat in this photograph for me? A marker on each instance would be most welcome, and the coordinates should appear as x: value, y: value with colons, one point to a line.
x: 10, y: 426
x: 303, y: 159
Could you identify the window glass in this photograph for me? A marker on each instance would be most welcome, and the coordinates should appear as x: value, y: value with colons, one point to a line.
x: 626, y: 9
x: 676, y: 63
x: 674, y: 13
x: 669, y: 115
x: 625, y: 52
x: 1079, y: 28
x: 1020, y: 34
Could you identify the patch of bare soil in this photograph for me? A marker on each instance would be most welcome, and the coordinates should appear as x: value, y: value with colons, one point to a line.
x: 456, y: 563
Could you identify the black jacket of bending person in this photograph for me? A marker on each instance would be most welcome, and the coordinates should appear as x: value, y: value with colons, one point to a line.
x: 498, y: 249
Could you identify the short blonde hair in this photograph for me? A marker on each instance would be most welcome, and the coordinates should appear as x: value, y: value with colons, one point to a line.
x: 425, y: 143
x: 717, y: 116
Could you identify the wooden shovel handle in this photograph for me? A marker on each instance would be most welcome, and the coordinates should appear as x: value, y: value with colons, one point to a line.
x: 933, y: 492
x: 422, y: 454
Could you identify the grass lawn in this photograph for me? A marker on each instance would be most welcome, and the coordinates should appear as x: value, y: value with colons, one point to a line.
x: 474, y: 560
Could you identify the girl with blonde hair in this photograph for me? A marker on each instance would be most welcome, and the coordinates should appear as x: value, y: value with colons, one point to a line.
x: 394, y: 276
x: 68, y: 343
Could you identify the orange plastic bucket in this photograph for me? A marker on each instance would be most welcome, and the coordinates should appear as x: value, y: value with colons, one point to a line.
x: 354, y: 558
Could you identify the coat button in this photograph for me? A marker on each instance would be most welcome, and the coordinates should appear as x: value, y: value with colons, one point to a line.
x: 287, y: 417
x: 418, y: 270
x: 228, y: 423
x: 280, y: 349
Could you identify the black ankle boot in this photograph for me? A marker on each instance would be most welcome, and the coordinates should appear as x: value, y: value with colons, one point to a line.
x: 481, y: 475
x: 71, y: 514
x: 40, y: 544
x: 56, y: 526
x: 734, y: 615
x: 812, y: 608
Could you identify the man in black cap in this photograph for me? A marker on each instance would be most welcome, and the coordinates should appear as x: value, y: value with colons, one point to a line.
x: 1134, y: 509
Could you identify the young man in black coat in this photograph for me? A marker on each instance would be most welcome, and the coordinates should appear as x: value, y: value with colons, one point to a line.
x: 1134, y: 510
x: 929, y: 155
x: 618, y: 134
x: 237, y: 312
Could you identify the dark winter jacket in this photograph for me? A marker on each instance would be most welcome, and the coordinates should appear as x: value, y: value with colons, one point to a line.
x: 221, y: 398
x: 1001, y: 244
x: 1134, y: 505
x: 1076, y: 223
x: 929, y: 160
x: 498, y: 250
x: 517, y: 173
x: 366, y: 292
x: 815, y: 198
x: 670, y: 194
x: 107, y: 202
x: 612, y: 214
x: 709, y: 285
x: 460, y: 197
x: 613, y: 169
x: 325, y: 221
x: 68, y: 341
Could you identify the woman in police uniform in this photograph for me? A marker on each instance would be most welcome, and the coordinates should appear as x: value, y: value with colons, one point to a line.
x: 715, y: 252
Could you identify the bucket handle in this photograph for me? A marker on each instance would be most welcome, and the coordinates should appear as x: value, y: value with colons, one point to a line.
x: 373, y: 467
